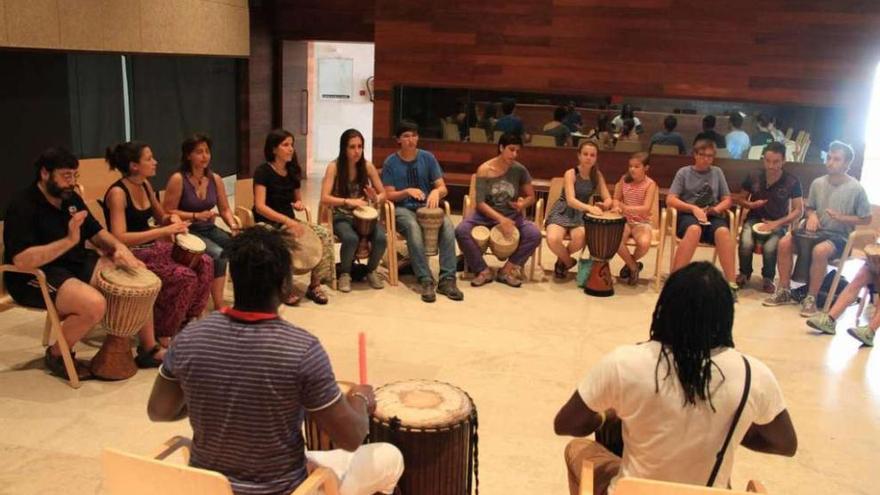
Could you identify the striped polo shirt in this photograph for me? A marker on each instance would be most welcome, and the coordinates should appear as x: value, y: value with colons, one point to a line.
x: 246, y: 386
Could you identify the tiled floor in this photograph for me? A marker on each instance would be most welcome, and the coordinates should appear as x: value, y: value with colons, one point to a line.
x: 519, y: 353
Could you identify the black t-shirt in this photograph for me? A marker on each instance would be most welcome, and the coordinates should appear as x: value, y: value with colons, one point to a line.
x: 777, y: 194
x: 135, y: 220
x: 32, y: 221
x: 279, y: 190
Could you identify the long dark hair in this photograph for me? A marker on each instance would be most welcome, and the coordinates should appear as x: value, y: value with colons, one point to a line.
x: 595, y: 173
x: 694, y: 314
x: 342, y: 182
x: 188, y: 146
x: 121, y: 156
x: 273, y: 140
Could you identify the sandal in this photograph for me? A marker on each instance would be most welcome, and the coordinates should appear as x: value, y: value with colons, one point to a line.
x: 317, y: 295
x: 146, y: 358
x: 482, y: 278
x: 559, y: 270
x: 55, y: 365
x: 292, y: 300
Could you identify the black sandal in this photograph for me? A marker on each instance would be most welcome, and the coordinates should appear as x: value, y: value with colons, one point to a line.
x: 146, y: 358
x: 317, y: 295
x: 293, y: 300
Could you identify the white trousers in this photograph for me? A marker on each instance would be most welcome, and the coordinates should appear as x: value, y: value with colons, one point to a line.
x: 375, y: 467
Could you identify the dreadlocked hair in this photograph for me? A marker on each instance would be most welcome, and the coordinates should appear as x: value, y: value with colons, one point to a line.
x: 260, y: 266
x: 694, y: 314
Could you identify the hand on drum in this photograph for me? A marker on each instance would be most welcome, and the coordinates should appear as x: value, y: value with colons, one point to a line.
x: 123, y: 258
x: 433, y: 199
x: 507, y: 227
x: 356, y: 203
x: 359, y: 393
x: 594, y: 210
x: 295, y: 228
x: 73, y: 225
x: 812, y: 223
x: 518, y: 205
x: 416, y: 193
x: 771, y: 225
x: 176, y: 228
x: 298, y: 205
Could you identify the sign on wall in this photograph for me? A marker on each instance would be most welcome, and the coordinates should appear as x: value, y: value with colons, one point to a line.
x: 335, y: 78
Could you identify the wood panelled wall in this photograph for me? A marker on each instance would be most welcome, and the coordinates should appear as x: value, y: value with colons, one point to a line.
x: 325, y: 20
x: 811, y: 52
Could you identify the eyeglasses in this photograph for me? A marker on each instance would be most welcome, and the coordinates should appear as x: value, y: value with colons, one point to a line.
x: 706, y: 155
x: 69, y: 175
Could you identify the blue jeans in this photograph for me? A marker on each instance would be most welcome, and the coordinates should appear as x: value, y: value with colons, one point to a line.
x: 747, y: 248
x: 216, y: 241
x: 408, y: 225
x: 344, y: 229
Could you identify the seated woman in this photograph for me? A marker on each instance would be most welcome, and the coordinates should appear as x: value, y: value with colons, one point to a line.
x: 504, y: 192
x: 277, y: 194
x: 566, y: 216
x: 128, y: 205
x: 557, y: 129
x: 350, y: 182
x: 601, y: 134
x: 628, y: 131
x: 192, y: 193
x: 633, y: 196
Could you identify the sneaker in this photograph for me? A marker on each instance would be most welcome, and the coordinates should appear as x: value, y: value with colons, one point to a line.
x: 427, y: 289
x: 863, y: 334
x: 509, y: 277
x: 808, y: 306
x: 742, y: 279
x: 782, y: 296
x: 823, y: 323
x: 768, y: 286
x: 375, y: 280
x: 634, y: 275
x: 559, y: 270
x: 55, y: 365
x: 448, y: 288
x: 343, y: 282
x: 482, y: 278
x: 734, y: 291
x: 624, y: 273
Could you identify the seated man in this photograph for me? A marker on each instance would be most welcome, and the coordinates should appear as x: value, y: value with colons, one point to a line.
x: 773, y: 196
x: 737, y: 140
x: 668, y: 136
x: 677, y: 395
x: 413, y: 179
x: 47, y: 226
x: 700, y: 194
x: 245, y: 377
x: 509, y: 122
x: 835, y: 205
x: 827, y: 322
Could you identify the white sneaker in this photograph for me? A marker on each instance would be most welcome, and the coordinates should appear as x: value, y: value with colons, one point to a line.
x: 343, y: 283
x: 808, y: 307
x: 375, y: 280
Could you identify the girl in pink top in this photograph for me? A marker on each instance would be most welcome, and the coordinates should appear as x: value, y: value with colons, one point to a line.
x: 633, y: 197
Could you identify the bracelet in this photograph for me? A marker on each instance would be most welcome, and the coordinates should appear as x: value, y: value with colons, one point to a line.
x: 363, y: 397
x: 601, y: 415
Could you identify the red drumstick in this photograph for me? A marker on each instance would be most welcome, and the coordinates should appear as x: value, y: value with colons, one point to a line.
x: 362, y: 357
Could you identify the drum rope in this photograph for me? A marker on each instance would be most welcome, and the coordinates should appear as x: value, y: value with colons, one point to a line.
x: 476, y: 455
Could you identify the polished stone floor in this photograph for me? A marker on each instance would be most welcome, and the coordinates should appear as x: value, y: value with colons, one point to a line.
x: 518, y: 352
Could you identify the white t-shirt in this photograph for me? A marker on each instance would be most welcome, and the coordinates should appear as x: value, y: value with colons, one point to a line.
x: 664, y: 439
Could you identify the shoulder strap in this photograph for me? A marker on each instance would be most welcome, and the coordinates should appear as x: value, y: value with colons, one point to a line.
x: 719, y: 458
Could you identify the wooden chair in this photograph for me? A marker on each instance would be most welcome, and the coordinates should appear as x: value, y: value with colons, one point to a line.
x: 639, y: 486
x: 664, y: 149
x: 325, y: 218
x: 394, y: 237
x: 854, y: 250
x: 244, y: 204
x: 52, y: 326
x: 628, y: 146
x: 672, y: 221
x: 131, y: 474
x: 755, y: 152
x: 470, y: 206
x: 658, y: 235
x: 557, y: 186
x: 543, y: 140
x: 478, y: 135
x: 722, y: 153
x: 496, y: 136
x: 450, y: 131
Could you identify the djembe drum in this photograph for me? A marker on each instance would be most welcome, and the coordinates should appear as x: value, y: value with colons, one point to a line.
x: 130, y: 295
x: 502, y: 247
x: 188, y: 249
x: 480, y: 233
x: 305, y: 250
x: 434, y: 424
x: 604, y: 234
x: 872, y: 257
x: 430, y: 220
x: 315, y: 437
x: 365, y: 219
x: 760, y: 236
x: 804, y: 242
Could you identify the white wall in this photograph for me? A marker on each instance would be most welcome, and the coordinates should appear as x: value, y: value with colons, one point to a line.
x: 330, y: 118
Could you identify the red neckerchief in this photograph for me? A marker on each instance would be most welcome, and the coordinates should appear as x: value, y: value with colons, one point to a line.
x: 247, y: 316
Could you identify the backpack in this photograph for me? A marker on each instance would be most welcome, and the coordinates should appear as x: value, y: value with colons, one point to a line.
x: 801, y: 292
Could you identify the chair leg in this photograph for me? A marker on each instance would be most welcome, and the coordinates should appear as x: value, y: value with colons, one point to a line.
x: 829, y: 300
x: 47, y: 329
x: 657, y: 267
x: 65, y: 355
x: 862, y: 301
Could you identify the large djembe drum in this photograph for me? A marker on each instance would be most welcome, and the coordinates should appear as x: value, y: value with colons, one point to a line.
x: 430, y: 220
x: 188, y: 249
x: 434, y: 424
x: 604, y: 234
x: 365, y: 220
x: 130, y: 295
x: 480, y: 233
x: 804, y: 242
x: 305, y: 249
x: 315, y: 437
x: 760, y: 235
x: 503, y: 246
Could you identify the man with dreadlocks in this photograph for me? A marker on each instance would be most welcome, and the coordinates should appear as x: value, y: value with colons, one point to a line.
x: 678, y: 395
x: 245, y: 377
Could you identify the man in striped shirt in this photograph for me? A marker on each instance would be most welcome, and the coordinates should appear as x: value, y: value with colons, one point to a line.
x: 245, y: 377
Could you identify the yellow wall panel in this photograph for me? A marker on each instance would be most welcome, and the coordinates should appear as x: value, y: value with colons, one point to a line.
x: 32, y: 23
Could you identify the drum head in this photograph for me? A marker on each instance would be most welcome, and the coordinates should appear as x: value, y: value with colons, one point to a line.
x: 430, y: 212
x: 305, y: 250
x: 480, y: 233
x: 139, y: 278
x: 422, y: 403
x: 190, y: 242
x: 497, y: 237
x: 605, y: 217
x: 758, y: 228
x: 366, y: 213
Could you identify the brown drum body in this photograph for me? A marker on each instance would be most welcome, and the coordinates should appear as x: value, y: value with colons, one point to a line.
x: 480, y: 233
x: 502, y: 247
x: 804, y: 242
x: 430, y: 220
x: 434, y: 426
x: 760, y: 236
x: 315, y: 437
x: 365, y: 220
x: 188, y: 249
x: 872, y: 256
x: 130, y: 297
x: 604, y: 234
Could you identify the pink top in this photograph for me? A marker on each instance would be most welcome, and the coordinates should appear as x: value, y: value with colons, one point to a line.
x: 634, y: 195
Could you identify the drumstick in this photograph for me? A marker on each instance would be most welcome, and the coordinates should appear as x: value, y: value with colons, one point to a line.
x: 362, y: 357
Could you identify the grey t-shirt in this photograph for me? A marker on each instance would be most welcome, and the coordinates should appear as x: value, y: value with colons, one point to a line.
x: 700, y: 188
x: 848, y: 198
x: 498, y: 192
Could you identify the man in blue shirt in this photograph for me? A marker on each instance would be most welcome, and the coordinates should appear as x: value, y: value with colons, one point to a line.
x: 510, y: 122
x: 413, y: 179
x: 738, y: 142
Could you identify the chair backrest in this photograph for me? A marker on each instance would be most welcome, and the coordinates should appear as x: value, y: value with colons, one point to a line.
x: 450, y: 132
x: 638, y: 486
x: 664, y: 149
x: 628, y: 146
x: 95, y: 177
x: 557, y: 189
x: 722, y: 153
x: 543, y: 140
x: 478, y: 135
x: 788, y: 133
x: 756, y: 151
x: 655, y: 209
x: 244, y: 193
x: 496, y: 136
x: 130, y: 474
